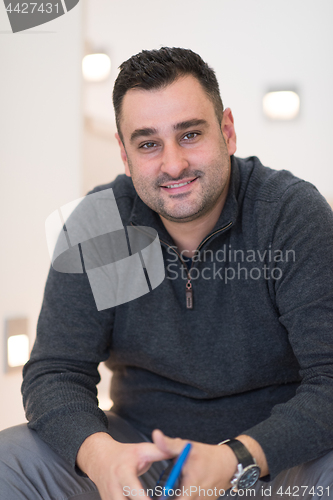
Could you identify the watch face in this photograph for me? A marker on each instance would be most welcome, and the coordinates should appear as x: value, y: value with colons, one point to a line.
x: 249, y: 477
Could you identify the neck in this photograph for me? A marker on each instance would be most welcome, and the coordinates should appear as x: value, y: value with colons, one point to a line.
x: 188, y: 235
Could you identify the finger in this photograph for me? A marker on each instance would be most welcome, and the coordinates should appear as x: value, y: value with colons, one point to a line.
x: 149, y: 452
x: 116, y: 488
x: 130, y: 487
x: 173, y: 446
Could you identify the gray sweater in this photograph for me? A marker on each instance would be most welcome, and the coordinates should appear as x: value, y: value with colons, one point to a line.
x: 254, y: 355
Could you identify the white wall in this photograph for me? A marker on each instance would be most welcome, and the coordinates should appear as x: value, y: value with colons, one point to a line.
x: 253, y: 45
x: 40, y: 162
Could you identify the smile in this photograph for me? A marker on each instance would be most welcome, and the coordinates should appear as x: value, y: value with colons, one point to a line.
x: 179, y: 186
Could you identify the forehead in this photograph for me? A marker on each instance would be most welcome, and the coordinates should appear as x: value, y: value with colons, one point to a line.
x: 183, y: 99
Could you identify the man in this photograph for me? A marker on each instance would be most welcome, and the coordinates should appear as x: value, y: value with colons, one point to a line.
x: 234, y: 344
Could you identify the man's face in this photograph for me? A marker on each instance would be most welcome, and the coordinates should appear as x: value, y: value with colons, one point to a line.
x: 175, y: 150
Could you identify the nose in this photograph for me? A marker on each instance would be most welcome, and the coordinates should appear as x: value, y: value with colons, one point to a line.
x: 174, y: 160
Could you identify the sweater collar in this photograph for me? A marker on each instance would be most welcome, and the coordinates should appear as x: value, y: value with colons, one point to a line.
x: 142, y: 215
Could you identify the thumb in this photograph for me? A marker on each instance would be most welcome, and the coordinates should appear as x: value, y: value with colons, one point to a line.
x: 170, y: 446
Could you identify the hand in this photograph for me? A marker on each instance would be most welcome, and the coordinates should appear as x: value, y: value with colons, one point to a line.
x: 209, y: 467
x: 113, y: 466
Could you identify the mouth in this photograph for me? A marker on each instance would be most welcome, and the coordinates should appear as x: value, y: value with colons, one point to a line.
x: 179, y: 187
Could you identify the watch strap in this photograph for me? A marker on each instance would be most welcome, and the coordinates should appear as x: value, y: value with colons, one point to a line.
x: 243, y: 455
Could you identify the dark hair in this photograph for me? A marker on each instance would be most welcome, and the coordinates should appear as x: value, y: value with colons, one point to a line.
x: 152, y: 69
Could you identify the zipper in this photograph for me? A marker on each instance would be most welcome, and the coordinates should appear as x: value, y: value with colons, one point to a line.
x: 189, y: 288
x: 189, y: 295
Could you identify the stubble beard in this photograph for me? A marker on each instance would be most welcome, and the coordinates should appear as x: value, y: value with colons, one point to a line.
x: 185, y: 211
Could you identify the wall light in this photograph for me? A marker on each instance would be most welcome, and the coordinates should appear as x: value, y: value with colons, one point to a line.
x: 17, y: 343
x: 105, y: 402
x: 96, y: 67
x: 18, y: 350
x: 281, y: 105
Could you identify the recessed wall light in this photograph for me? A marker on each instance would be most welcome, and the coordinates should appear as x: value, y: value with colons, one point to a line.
x: 96, y: 67
x: 17, y: 350
x: 17, y: 343
x: 281, y: 105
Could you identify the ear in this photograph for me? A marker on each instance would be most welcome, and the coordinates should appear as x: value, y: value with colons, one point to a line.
x: 123, y: 155
x: 228, y: 131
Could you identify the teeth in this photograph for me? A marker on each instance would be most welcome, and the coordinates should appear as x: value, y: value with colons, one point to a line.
x: 178, y: 185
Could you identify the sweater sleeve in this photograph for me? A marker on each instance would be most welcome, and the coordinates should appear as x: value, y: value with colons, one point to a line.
x: 302, y: 428
x: 59, y: 386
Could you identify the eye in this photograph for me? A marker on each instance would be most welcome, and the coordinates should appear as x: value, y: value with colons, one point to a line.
x: 148, y: 145
x: 190, y: 135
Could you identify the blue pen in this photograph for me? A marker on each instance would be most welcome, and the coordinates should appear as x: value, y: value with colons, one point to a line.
x: 176, y: 470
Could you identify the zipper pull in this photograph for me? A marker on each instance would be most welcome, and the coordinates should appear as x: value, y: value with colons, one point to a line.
x: 189, y: 295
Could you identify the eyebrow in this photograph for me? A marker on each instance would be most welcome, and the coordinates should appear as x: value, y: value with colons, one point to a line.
x: 190, y: 123
x: 146, y: 132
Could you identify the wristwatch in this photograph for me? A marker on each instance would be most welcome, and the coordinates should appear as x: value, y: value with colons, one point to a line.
x: 248, y: 471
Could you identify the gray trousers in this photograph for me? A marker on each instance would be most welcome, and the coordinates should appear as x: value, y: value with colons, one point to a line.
x: 30, y: 470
